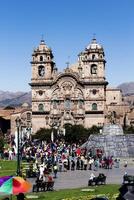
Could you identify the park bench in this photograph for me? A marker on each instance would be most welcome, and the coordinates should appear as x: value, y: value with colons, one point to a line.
x: 128, y: 179
x: 99, y: 180
x: 43, y: 186
x: 38, y: 186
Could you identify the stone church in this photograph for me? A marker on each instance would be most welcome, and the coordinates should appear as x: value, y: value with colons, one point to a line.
x: 78, y: 95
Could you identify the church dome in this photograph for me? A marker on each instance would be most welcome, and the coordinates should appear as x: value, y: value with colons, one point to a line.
x: 43, y: 46
x: 94, y: 45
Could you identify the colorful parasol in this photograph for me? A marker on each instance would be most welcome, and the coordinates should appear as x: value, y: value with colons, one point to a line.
x: 14, y: 185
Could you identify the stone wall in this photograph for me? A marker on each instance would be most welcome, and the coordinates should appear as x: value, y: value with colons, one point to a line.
x: 117, y: 145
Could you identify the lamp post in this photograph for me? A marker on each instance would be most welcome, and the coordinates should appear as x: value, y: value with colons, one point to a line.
x: 18, y: 124
x: 54, y: 125
x: 29, y: 127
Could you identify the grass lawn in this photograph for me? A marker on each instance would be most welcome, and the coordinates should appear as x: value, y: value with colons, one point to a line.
x: 77, y: 194
x: 7, y: 167
x: 111, y: 191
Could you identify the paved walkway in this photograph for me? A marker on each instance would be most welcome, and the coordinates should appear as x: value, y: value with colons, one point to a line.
x: 78, y: 178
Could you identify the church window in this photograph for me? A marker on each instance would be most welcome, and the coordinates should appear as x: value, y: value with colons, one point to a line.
x: 41, y: 58
x: 94, y: 91
x: 40, y: 107
x: 93, y: 69
x: 93, y: 57
x: 48, y: 58
x: 114, y: 114
x: 41, y: 70
x: 94, y: 106
x: 28, y: 116
x: 40, y: 92
x: 67, y: 104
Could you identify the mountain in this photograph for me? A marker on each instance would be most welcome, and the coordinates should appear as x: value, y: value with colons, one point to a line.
x: 18, y: 98
x: 128, y: 92
x: 127, y: 88
x: 14, y: 98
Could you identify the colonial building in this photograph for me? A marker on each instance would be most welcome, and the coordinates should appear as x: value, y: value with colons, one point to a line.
x: 79, y: 95
x: 24, y: 113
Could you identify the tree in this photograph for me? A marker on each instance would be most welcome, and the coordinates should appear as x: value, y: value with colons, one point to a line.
x: 76, y: 133
x: 43, y: 134
x: 94, y: 130
x: 1, y: 141
x: 73, y: 133
x: 128, y: 129
x: 1, y: 144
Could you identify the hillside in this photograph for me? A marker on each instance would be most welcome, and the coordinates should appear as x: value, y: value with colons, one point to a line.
x: 127, y: 88
x: 18, y: 98
x: 14, y: 98
x: 128, y: 92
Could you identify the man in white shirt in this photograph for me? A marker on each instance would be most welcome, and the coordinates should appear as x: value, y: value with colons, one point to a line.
x: 41, y: 171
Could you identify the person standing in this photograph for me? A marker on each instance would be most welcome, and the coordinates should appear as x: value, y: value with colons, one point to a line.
x: 55, y: 170
x: 78, y: 163
x: 91, y: 161
x: 85, y: 163
x: 41, y: 172
x: 125, y: 164
x: 60, y: 165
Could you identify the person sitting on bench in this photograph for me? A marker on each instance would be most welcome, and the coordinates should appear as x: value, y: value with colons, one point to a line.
x: 91, y: 178
x: 49, y: 182
x: 37, y: 185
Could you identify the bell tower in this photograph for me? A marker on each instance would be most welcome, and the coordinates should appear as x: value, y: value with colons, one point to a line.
x: 92, y: 62
x: 91, y: 67
x: 42, y: 63
x: 43, y: 72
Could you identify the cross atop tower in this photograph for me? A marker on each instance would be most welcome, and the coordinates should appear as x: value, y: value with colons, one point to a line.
x: 94, y: 38
x: 42, y: 38
x: 67, y: 63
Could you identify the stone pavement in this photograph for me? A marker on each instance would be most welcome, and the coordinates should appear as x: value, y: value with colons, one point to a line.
x: 75, y: 179
x: 79, y: 178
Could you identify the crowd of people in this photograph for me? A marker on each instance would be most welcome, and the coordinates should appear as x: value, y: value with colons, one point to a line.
x: 45, y: 160
x: 59, y: 156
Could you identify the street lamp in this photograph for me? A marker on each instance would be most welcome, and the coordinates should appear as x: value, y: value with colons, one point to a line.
x: 29, y: 127
x: 18, y: 124
x: 54, y: 125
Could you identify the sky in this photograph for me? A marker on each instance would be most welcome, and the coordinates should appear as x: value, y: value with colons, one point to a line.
x: 68, y: 27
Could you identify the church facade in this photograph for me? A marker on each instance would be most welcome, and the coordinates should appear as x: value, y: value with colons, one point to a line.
x: 78, y: 95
